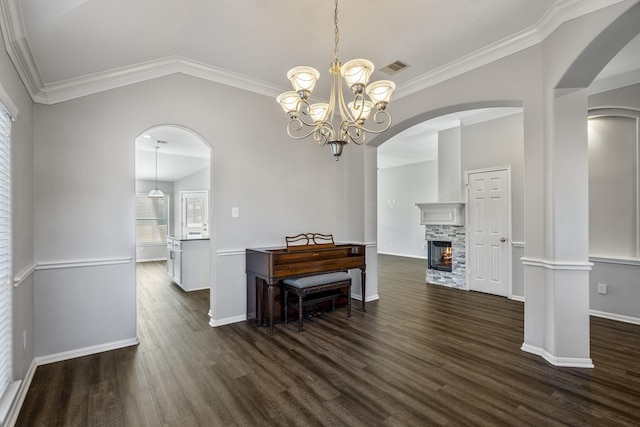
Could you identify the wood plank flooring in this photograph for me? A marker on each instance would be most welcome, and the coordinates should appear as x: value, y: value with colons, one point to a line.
x: 421, y: 355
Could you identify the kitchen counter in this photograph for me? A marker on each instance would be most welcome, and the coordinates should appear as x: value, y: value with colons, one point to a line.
x: 189, y: 262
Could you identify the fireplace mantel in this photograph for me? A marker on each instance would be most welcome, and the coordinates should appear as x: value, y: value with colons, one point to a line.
x: 441, y: 213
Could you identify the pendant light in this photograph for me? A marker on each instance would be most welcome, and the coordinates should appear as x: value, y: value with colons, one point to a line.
x: 155, y: 192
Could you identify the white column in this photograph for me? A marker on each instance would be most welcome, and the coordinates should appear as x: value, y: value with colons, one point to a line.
x: 557, y: 276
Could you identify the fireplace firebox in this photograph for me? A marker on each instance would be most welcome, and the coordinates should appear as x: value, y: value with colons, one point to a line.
x: 440, y: 255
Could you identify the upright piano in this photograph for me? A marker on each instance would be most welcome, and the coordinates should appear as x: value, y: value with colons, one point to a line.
x: 266, y: 267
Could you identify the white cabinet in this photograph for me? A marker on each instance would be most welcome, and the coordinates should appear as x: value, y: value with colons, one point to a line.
x: 189, y: 263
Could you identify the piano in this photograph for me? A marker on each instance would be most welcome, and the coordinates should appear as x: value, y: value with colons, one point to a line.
x: 266, y: 267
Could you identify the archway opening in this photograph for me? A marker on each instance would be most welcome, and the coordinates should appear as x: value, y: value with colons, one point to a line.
x: 173, y: 227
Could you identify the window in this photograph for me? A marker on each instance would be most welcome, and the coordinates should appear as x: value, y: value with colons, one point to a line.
x: 6, y: 283
x: 152, y: 219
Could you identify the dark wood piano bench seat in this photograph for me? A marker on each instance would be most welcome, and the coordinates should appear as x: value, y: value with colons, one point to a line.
x: 318, y: 288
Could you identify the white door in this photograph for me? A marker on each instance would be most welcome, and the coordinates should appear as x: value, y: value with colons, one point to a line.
x: 195, y: 214
x: 488, y: 226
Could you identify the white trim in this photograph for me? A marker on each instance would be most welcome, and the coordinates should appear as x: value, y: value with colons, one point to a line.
x: 25, y: 384
x: 556, y: 265
x: 517, y: 244
x: 151, y: 259
x: 616, y: 317
x: 86, y: 351
x: 227, y: 321
x: 517, y: 298
x: 635, y: 262
x: 23, y: 274
x: 19, y: 51
x: 565, y: 362
x: 7, y: 399
x: 402, y: 255
x: 370, y: 298
x: 231, y: 252
x: 82, y: 263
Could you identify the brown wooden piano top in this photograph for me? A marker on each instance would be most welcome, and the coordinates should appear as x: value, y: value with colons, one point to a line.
x: 278, y: 262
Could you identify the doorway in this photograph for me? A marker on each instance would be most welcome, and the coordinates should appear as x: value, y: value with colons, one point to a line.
x: 489, y: 230
x: 173, y: 161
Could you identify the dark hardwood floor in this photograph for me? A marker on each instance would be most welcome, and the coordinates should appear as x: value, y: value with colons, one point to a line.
x: 421, y: 355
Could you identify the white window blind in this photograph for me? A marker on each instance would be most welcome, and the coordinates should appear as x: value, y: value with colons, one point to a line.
x: 6, y: 362
x: 152, y: 219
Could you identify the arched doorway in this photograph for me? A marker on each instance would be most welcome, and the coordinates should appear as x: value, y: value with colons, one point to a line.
x: 173, y: 227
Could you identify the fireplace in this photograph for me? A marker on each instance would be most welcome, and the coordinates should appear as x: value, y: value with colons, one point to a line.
x: 440, y: 255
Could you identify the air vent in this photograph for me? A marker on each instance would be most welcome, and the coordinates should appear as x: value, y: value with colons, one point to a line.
x: 162, y: 142
x: 394, y: 68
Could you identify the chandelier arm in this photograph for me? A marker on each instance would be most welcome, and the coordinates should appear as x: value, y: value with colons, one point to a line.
x: 376, y: 131
x: 355, y: 135
x: 386, y: 115
x: 320, y: 131
x: 293, y: 132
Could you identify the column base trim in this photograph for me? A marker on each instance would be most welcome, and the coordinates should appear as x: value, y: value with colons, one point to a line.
x: 564, y: 362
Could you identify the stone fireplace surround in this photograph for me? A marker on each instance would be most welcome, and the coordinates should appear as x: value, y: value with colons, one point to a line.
x: 457, y: 236
x: 445, y: 221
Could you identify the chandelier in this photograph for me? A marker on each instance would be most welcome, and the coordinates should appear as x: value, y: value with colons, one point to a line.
x: 337, y: 123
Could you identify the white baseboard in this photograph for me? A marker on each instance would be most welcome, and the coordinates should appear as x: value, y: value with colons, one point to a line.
x: 370, y: 298
x: 16, y: 406
x: 613, y: 316
x: 596, y: 313
x: 72, y: 354
x: 403, y: 255
x: 227, y: 321
x: 151, y: 260
x: 564, y: 362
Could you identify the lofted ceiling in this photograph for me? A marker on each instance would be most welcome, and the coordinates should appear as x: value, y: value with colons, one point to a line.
x: 66, y: 49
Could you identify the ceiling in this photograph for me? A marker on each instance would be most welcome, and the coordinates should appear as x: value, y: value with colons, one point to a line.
x: 180, y: 153
x: 71, y: 48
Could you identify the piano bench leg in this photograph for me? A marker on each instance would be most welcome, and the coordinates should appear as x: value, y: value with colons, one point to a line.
x: 300, y: 312
x: 349, y: 300
x: 286, y: 306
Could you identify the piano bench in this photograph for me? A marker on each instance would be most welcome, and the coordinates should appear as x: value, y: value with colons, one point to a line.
x: 321, y: 284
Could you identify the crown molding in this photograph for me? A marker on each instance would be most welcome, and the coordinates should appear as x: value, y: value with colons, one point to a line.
x: 19, y: 51
x: 112, y: 79
x: 558, y: 14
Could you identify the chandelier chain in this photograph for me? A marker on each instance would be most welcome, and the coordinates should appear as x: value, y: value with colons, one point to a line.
x: 337, y: 34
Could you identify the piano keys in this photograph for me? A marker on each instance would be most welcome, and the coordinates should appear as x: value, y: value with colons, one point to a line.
x: 266, y: 267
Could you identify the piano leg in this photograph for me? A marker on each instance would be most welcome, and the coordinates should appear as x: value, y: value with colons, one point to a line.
x: 259, y: 284
x: 271, y: 298
x: 364, y: 287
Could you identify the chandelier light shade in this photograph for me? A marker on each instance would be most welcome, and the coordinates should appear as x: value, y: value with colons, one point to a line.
x: 337, y: 123
x: 156, y: 192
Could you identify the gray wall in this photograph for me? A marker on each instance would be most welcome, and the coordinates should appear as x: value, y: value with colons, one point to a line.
x: 615, y: 188
x: 399, y: 189
x: 450, y: 182
x: 22, y: 217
